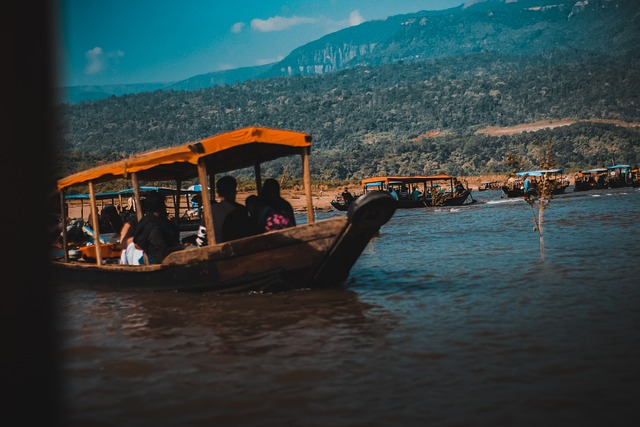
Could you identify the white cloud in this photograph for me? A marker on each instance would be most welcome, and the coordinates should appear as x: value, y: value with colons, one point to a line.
x: 98, y: 61
x: 279, y: 23
x: 237, y: 27
x: 265, y: 61
x: 223, y: 67
x: 95, y: 61
x: 116, y: 55
x: 355, y: 18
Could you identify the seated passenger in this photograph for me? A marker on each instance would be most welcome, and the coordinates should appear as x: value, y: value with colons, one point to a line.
x: 156, y: 235
x: 404, y: 192
x: 282, y: 216
x: 131, y: 254
x: 110, y: 220
x: 347, y: 196
x: 416, y: 194
x: 230, y: 218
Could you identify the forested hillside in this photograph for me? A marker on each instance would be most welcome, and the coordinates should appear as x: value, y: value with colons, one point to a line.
x: 393, y: 119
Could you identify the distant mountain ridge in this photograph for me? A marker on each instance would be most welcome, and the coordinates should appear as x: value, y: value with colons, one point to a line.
x: 511, y: 27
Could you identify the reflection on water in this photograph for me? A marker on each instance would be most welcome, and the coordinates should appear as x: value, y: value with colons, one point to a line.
x: 450, y: 317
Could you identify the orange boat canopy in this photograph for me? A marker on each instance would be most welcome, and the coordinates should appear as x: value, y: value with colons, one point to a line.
x: 224, y: 152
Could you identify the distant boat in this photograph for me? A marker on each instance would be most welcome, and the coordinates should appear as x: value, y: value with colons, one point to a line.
x: 421, y: 191
x: 515, y: 187
x: 590, y: 179
x: 619, y: 176
x: 489, y: 185
x: 339, y: 203
x: 635, y: 174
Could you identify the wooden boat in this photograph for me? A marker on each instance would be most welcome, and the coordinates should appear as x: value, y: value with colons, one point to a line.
x: 339, y: 203
x: 590, y: 179
x: 489, y: 185
x: 421, y: 191
x: 619, y: 176
x: 515, y: 187
x: 635, y: 175
x: 315, y: 254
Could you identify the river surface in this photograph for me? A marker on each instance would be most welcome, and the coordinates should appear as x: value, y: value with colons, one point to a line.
x: 451, y: 317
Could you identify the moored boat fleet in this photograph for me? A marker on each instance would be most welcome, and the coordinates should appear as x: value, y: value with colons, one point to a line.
x: 615, y: 176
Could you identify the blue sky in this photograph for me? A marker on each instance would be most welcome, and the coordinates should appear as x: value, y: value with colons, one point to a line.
x: 145, y: 41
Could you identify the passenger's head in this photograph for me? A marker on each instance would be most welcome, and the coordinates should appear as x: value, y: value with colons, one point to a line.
x: 109, y: 211
x: 270, y: 188
x: 155, y: 203
x: 252, y: 202
x: 226, y: 187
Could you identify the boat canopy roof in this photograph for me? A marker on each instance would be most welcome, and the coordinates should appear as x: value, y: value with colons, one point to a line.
x: 224, y: 152
x: 541, y: 172
x: 619, y: 167
x: 596, y: 170
x: 129, y: 192
x: 386, y: 180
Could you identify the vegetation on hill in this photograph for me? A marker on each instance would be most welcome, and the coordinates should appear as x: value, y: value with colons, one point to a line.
x: 393, y: 119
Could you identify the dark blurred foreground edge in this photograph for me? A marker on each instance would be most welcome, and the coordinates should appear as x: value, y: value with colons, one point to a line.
x: 29, y: 367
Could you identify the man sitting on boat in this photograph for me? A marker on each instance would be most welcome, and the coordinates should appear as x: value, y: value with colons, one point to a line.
x: 230, y: 218
x: 416, y: 194
x: 156, y: 235
x: 347, y: 196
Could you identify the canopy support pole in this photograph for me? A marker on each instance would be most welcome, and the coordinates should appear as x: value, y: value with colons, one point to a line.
x: 176, y: 200
x: 258, y: 176
x: 206, y: 201
x: 136, y: 199
x: 64, y: 227
x: 95, y: 223
x: 307, y: 184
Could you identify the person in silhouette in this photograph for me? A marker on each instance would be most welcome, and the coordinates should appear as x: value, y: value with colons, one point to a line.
x: 230, y: 218
x: 347, y: 196
x: 156, y: 235
x: 131, y: 254
x: 282, y: 215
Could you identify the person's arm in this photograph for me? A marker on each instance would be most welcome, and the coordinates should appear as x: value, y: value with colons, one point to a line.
x: 124, y: 234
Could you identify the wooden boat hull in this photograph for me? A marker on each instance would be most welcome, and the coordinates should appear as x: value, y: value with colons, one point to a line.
x: 449, y: 199
x: 340, y: 205
x: 316, y: 255
x: 587, y: 186
x: 519, y: 192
